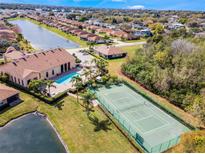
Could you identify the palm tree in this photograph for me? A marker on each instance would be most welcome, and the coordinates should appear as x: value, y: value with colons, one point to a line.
x: 102, y: 66
x: 36, y: 85
x: 77, y: 83
x: 107, y: 39
x: 49, y: 83
x: 87, y: 98
x: 91, y: 45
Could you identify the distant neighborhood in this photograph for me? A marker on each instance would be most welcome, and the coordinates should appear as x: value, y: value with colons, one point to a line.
x: 102, y: 80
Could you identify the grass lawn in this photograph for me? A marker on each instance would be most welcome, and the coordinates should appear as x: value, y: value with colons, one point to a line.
x: 133, y: 41
x: 72, y: 123
x: 57, y: 31
x: 29, y: 104
x: 114, y: 68
x: 78, y: 131
x: 114, y: 65
x: 190, y: 143
x: 26, y: 46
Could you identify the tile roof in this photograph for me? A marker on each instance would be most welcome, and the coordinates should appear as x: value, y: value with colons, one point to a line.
x: 36, y: 63
x: 109, y: 50
x: 6, y: 92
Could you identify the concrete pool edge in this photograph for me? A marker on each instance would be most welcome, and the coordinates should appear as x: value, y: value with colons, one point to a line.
x: 46, y: 118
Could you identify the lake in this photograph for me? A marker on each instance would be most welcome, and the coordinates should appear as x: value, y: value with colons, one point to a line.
x: 30, y: 134
x: 41, y: 38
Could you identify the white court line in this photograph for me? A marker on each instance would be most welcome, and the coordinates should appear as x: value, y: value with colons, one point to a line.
x: 166, y: 123
x: 147, y: 132
x: 129, y: 122
x: 144, y: 118
x: 153, y: 112
x: 120, y: 98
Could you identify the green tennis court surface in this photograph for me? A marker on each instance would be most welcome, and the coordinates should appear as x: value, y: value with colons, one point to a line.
x: 153, y: 129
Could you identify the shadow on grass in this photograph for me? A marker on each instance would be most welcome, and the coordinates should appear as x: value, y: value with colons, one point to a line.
x: 8, y: 107
x: 59, y: 105
x: 100, y: 125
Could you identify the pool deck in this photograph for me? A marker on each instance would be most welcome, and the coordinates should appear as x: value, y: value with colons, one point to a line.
x: 59, y: 88
x: 65, y: 73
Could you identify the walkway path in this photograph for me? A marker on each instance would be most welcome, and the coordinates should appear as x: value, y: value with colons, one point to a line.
x: 118, y: 44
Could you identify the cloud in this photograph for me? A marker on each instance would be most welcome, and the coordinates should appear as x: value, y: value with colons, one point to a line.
x: 136, y: 7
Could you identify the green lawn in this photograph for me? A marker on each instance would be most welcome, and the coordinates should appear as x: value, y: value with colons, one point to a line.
x: 133, y: 41
x: 29, y: 104
x: 57, y: 31
x: 114, y: 66
x: 78, y: 131
x: 72, y: 123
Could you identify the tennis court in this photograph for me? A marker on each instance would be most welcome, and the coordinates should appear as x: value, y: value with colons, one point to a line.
x: 152, y: 128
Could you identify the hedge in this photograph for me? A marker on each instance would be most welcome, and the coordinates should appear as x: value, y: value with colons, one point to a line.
x: 48, y: 100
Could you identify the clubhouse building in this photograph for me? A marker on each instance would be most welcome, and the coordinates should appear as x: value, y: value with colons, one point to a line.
x: 41, y: 65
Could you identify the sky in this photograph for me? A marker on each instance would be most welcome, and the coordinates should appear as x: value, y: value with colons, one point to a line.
x: 195, y: 5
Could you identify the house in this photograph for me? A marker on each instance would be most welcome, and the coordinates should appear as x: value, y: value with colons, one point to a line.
x: 110, y: 52
x: 86, y: 36
x: 8, y: 96
x: 12, y: 54
x: 41, y: 65
x: 143, y: 33
x: 176, y: 25
x: 96, y: 39
x: 7, y: 34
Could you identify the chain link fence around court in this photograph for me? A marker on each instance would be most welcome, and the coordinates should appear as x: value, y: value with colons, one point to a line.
x: 132, y: 131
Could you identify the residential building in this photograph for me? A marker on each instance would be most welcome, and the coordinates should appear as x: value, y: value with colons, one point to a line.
x: 42, y: 65
x: 110, y: 52
x: 8, y: 96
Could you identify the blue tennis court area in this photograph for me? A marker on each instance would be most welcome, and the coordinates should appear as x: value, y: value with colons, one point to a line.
x: 152, y: 128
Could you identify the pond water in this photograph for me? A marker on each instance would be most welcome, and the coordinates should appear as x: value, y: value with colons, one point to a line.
x: 41, y: 38
x: 30, y: 134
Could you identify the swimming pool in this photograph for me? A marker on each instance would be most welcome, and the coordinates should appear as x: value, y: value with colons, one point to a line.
x: 66, y: 78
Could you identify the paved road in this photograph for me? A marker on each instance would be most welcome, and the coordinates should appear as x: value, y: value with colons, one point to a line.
x: 118, y: 44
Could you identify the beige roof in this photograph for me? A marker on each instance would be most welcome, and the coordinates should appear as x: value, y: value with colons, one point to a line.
x: 7, y: 34
x: 38, y: 62
x: 109, y: 50
x: 6, y: 92
x: 12, y: 54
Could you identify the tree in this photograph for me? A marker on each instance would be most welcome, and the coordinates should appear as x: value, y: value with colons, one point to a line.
x: 157, y: 28
x: 91, y: 45
x: 77, y: 83
x: 37, y: 85
x: 49, y: 84
x: 173, y: 69
x: 183, y: 20
x: 102, y: 66
x: 107, y: 40
x: 4, y: 77
x: 87, y: 99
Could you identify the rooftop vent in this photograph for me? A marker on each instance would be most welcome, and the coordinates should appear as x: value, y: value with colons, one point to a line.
x: 14, y: 63
x: 36, y: 55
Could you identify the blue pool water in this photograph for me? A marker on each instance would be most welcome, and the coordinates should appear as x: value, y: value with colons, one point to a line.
x: 66, y: 78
